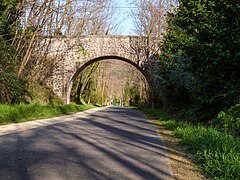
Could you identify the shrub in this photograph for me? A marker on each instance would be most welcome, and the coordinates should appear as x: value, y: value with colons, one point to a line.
x: 229, y: 120
x: 13, y: 88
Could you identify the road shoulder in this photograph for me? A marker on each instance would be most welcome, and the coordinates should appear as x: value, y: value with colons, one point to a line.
x: 181, y: 162
x: 19, y: 127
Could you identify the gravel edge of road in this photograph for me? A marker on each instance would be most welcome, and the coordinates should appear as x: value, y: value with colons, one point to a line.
x: 182, y: 162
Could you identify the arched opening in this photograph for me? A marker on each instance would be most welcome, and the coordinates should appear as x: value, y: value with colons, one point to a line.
x: 80, y: 69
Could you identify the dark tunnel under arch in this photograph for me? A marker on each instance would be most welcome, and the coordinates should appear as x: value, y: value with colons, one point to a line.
x: 101, y: 58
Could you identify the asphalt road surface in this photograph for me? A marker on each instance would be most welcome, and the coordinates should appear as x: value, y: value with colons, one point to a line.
x: 109, y: 143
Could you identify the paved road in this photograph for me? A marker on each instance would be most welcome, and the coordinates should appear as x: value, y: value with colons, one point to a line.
x: 111, y: 143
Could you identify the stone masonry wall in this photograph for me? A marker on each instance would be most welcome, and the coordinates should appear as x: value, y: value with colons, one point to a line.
x: 70, y: 53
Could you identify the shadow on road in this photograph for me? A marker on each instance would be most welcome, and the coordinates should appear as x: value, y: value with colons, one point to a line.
x: 115, y: 143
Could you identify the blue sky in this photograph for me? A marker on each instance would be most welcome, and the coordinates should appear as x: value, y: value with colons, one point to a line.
x: 124, y: 18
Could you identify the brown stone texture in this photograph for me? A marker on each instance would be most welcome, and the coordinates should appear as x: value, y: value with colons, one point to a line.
x: 72, y: 53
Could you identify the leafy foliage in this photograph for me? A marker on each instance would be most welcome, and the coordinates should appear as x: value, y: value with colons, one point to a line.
x: 8, y: 19
x: 83, y: 88
x: 175, y: 80
x: 132, y: 95
x: 13, y: 89
x: 205, y: 35
x: 229, y: 120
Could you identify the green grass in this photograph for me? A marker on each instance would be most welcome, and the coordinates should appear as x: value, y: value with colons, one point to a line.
x: 218, y: 153
x: 27, y: 112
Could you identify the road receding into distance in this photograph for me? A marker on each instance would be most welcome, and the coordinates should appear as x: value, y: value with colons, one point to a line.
x: 107, y: 143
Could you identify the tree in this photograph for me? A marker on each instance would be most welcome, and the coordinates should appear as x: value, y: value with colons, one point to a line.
x: 24, y: 22
x: 106, y: 82
x: 8, y: 17
x: 83, y: 87
x: 13, y: 89
x: 206, y: 35
x: 150, y: 22
x: 37, y: 18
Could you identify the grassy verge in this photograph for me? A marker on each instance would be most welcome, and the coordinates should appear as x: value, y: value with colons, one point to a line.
x: 27, y: 112
x: 217, y: 153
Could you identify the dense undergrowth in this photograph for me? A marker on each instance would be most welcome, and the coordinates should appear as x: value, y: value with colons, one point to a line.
x: 228, y: 120
x: 25, y: 112
x: 217, y: 151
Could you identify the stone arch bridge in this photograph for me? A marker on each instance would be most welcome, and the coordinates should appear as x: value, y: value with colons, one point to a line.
x: 69, y: 55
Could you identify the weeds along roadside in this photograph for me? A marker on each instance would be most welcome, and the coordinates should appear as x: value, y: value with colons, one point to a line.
x: 26, y: 112
x: 217, y: 152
